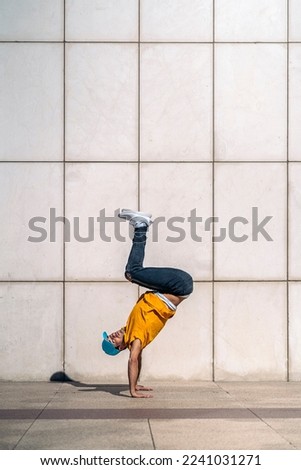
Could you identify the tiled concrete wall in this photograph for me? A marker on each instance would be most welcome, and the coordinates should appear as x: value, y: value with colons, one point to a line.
x: 182, y: 107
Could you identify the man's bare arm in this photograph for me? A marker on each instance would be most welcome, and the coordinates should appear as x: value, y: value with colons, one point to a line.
x: 134, y: 367
x: 141, y: 388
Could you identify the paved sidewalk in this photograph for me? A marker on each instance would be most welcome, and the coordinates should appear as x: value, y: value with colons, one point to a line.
x: 182, y: 415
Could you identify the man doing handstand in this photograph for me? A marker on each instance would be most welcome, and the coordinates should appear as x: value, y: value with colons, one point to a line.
x: 168, y: 288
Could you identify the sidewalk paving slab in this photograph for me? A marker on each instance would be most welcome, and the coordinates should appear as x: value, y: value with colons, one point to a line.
x: 88, y: 435
x: 182, y: 415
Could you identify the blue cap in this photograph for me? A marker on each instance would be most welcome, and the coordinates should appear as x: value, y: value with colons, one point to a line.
x: 108, y: 347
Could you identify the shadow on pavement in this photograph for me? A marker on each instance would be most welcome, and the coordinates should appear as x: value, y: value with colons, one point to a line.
x: 113, y: 389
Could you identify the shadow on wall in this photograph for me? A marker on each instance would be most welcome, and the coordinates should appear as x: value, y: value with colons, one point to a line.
x: 113, y: 389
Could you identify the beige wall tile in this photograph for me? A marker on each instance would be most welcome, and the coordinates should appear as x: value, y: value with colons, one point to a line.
x: 91, y: 188
x: 294, y: 101
x: 31, y: 96
x: 184, y: 348
x: 250, y: 20
x: 101, y: 102
x: 294, y: 330
x: 250, y: 102
x: 178, y: 191
x: 30, y: 190
x: 32, y: 20
x: 102, y: 20
x: 294, y: 220
x: 31, y: 330
x: 295, y: 20
x: 176, y: 100
x: 251, y: 191
x: 92, y: 308
x: 179, y: 20
x: 250, y: 331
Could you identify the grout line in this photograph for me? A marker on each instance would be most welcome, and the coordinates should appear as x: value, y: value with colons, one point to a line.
x: 287, y: 197
x: 213, y: 193
x: 147, y: 42
x: 197, y: 162
x: 139, y: 112
x: 102, y: 281
x: 64, y: 199
x: 138, y: 288
x: 151, y: 434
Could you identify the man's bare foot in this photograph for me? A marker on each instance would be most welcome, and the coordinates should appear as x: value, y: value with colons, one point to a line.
x: 141, y: 395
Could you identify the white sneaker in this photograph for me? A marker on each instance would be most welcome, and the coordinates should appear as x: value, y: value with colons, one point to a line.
x: 135, y: 218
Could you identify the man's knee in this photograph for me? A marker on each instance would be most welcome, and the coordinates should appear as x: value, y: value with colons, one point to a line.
x: 128, y: 276
x: 188, y: 284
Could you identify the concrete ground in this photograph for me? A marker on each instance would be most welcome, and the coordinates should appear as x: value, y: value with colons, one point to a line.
x: 184, y: 415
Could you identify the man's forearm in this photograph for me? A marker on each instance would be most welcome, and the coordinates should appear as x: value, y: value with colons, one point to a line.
x: 139, y: 365
x: 134, y: 367
x: 133, y: 374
